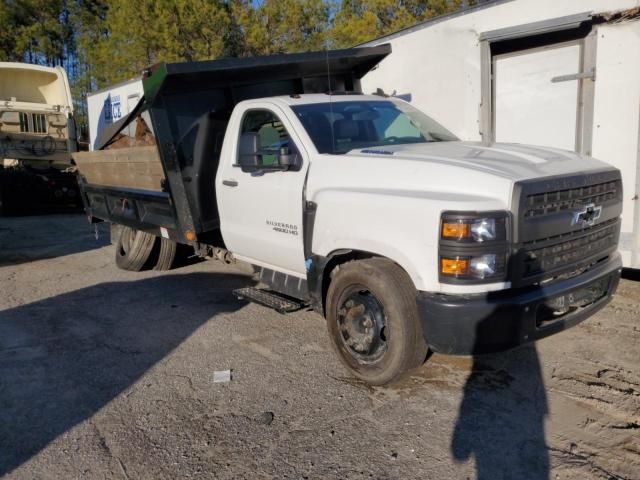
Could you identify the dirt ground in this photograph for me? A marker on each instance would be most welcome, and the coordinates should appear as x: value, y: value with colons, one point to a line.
x: 109, y: 374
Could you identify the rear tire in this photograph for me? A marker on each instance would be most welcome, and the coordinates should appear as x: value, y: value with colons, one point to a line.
x: 373, y: 321
x: 166, y: 254
x: 133, y: 249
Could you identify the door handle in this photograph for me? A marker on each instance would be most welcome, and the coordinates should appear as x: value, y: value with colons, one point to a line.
x: 230, y: 183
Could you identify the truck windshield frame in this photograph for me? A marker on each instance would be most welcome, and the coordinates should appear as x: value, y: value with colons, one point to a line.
x: 342, y: 126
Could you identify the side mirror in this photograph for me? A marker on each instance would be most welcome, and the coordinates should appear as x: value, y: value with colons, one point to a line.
x: 252, y: 159
x: 248, y: 156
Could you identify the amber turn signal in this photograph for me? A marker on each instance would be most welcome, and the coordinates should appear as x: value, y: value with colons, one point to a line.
x: 456, y: 231
x: 454, y: 266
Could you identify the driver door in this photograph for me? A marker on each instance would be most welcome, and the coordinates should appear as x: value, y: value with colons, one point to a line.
x: 261, y: 204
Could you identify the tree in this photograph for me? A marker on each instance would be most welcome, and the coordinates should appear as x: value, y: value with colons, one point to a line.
x: 140, y: 33
x: 35, y: 31
x: 278, y: 26
x: 358, y: 21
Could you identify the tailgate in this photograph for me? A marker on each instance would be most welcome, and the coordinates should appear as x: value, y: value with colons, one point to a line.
x: 127, y: 186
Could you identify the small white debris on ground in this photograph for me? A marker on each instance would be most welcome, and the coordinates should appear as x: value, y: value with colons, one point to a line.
x: 222, y: 376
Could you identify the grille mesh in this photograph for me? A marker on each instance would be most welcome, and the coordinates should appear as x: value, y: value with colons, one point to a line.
x: 557, y: 201
x: 569, y: 248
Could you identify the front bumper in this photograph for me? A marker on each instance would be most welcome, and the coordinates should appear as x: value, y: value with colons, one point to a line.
x: 497, y: 321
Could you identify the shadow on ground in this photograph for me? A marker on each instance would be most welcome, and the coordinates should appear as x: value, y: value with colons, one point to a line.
x: 631, y: 274
x: 500, y: 423
x: 501, y: 418
x: 29, y: 239
x: 64, y: 358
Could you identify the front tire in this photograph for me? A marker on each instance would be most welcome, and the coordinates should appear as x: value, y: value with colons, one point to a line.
x: 373, y: 321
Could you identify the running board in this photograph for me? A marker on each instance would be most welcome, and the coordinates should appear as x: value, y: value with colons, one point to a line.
x: 271, y: 299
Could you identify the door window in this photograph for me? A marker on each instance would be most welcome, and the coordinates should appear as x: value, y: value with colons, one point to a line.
x: 264, y: 141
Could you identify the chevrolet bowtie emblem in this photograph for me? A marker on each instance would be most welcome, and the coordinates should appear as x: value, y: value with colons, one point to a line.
x: 587, y: 216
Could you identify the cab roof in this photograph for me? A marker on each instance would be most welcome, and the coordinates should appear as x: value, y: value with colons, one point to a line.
x: 314, y: 98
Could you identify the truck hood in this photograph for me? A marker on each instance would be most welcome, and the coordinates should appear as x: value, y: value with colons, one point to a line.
x: 461, y: 175
x: 507, y: 160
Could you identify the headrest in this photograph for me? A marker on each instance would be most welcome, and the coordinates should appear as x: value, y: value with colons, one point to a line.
x: 319, y: 122
x: 345, y: 129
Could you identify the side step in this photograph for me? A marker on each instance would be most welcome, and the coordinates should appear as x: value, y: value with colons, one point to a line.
x: 271, y: 299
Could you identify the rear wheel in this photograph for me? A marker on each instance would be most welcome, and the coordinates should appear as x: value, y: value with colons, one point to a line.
x: 166, y: 254
x: 133, y: 249
x: 373, y: 320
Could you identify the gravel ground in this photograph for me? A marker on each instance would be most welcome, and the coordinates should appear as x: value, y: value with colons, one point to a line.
x: 109, y: 374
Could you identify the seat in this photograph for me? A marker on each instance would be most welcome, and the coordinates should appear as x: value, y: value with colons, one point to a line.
x: 319, y: 129
x: 346, y: 131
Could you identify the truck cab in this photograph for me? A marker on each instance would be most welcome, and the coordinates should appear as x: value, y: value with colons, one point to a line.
x: 367, y: 210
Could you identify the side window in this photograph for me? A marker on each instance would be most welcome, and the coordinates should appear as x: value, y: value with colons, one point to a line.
x: 265, y: 143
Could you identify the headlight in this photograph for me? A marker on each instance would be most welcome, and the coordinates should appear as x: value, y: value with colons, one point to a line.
x: 473, y: 247
x: 481, y: 267
x: 463, y: 229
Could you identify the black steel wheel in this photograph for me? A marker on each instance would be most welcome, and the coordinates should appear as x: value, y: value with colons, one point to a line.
x: 362, y: 324
x: 372, y: 318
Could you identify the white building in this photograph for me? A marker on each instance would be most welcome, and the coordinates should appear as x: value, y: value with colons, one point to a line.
x: 559, y: 73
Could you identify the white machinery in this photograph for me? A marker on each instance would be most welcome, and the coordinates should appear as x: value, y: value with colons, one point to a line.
x: 35, y: 107
x: 37, y: 136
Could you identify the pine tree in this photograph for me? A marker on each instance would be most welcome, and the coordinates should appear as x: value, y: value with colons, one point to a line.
x: 278, y: 26
x: 35, y: 31
x: 358, y: 21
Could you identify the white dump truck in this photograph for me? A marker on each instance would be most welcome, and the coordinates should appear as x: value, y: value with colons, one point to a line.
x: 359, y: 206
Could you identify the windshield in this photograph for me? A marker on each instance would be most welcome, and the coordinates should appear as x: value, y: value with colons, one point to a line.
x: 339, y: 127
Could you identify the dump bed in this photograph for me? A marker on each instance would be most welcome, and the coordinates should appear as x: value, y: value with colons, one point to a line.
x: 169, y: 188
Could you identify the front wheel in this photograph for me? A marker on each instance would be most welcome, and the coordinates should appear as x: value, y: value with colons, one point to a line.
x: 373, y: 320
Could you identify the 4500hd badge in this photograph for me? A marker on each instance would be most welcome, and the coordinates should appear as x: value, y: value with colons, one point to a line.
x: 283, y: 227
